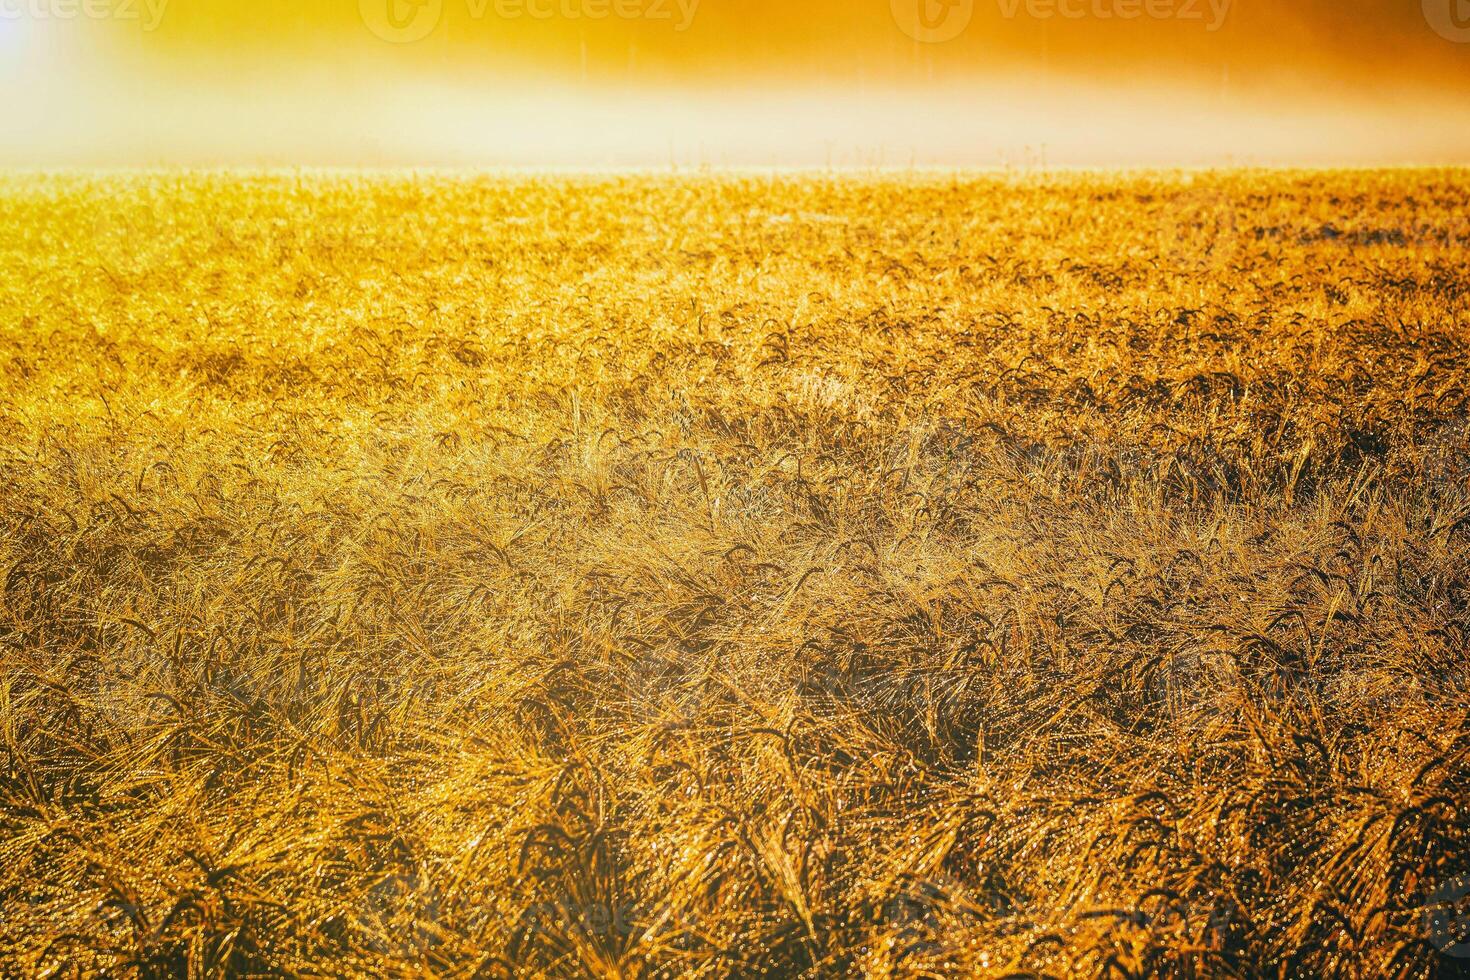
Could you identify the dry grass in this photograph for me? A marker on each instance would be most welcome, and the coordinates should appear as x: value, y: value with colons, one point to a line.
x: 640, y: 577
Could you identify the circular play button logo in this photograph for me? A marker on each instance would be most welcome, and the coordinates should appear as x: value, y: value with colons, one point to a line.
x: 933, y: 21
x: 1449, y: 18
x: 401, y: 21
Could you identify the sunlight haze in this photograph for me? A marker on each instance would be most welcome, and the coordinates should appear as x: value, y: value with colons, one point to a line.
x: 659, y: 83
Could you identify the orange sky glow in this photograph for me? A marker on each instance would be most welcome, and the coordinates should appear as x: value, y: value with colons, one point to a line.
x: 745, y: 83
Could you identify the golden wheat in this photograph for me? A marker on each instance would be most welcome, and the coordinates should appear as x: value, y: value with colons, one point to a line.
x: 895, y: 576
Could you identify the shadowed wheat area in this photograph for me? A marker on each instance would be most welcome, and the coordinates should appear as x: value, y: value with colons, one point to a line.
x: 891, y: 576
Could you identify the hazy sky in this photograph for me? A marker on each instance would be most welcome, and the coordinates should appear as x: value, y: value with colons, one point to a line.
x: 649, y: 83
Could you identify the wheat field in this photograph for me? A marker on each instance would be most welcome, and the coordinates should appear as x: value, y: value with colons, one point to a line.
x: 892, y: 575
